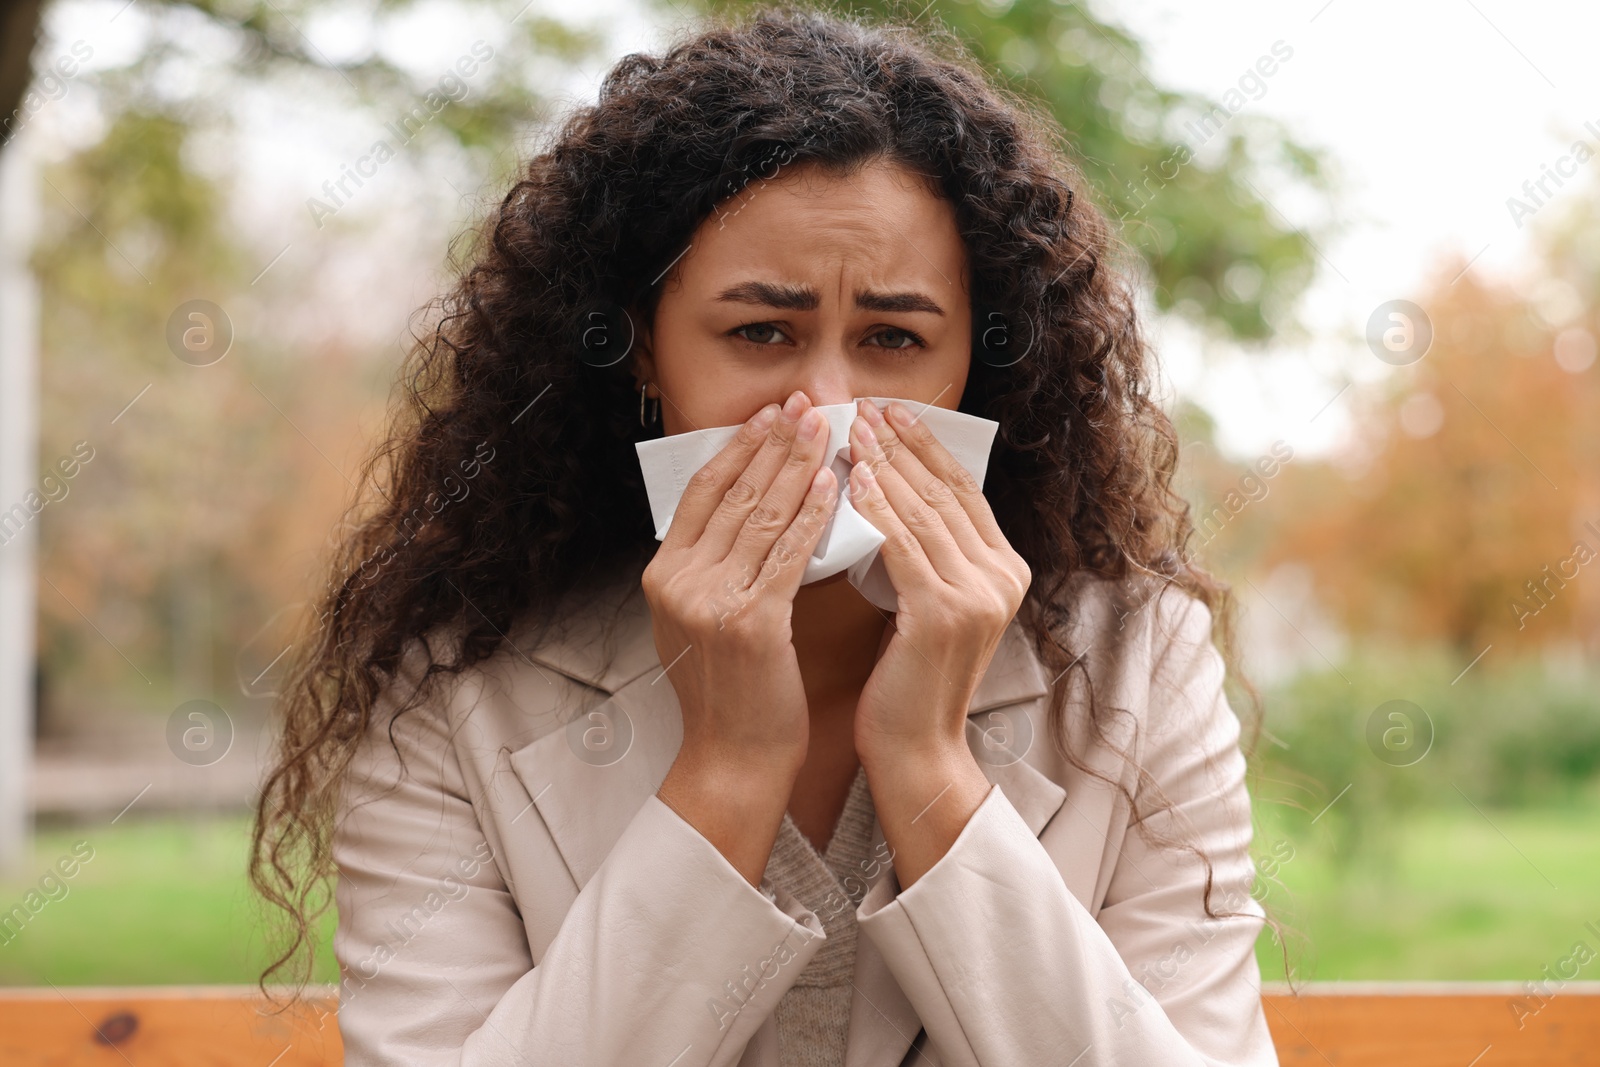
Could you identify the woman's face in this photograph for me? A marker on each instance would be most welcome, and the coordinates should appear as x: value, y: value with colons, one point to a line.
x: 840, y: 287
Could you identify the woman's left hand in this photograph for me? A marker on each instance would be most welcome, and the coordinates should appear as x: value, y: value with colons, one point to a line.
x: 958, y: 581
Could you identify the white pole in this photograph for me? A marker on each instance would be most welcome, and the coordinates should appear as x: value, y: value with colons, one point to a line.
x: 19, y: 461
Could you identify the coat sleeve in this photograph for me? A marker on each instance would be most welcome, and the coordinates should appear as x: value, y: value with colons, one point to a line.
x: 1007, y: 968
x: 667, y: 955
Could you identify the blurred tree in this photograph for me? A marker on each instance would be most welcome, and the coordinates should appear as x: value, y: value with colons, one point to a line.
x: 1459, y: 514
x: 1572, y: 240
x: 172, y: 535
x: 1568, y: 300
x: 1227, y: 495
x: 205, y: 503
x: 262, y: 44
x: 19, y: 33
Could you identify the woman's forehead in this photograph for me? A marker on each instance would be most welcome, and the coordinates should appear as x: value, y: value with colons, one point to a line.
x: 877, y: 231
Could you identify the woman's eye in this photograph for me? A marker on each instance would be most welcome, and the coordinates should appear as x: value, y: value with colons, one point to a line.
x: 759, y: 333
x: 892, y: 337
x: 766, y: 333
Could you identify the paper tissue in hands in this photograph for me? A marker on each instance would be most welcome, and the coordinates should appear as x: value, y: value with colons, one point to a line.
x: 849, y: 542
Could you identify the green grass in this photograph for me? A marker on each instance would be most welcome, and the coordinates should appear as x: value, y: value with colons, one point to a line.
x: 1438, y: 895
x: 1453, y: 894
x: 163, y: 901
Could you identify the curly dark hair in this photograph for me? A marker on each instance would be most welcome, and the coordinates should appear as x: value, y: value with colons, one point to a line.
x: 503, y: 389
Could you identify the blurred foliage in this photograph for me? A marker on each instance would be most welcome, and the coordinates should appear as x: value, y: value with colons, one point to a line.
x: 1186, y: 180
x: 1456, y: 540
x: 170, y: 540
x: 1571, y: 236
x: 1468, y: 508
x: 1525, y: 733
x: 236, y: 45
x: 179, y: 548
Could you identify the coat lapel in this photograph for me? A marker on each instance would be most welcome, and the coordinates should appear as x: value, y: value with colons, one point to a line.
x: 1006, y: 719
x: 590, y: 777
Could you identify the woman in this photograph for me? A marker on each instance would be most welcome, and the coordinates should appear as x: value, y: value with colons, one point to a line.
x: 598, y: 801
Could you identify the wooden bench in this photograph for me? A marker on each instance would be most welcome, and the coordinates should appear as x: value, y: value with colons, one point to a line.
x: 1354, y: 1024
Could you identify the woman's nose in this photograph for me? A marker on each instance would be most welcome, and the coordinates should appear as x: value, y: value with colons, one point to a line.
x: 825, y: 380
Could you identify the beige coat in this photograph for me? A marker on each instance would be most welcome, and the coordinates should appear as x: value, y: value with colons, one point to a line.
x: 521, y: 896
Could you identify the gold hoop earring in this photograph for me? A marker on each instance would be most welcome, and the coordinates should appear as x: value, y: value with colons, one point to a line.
x: 655, y: 411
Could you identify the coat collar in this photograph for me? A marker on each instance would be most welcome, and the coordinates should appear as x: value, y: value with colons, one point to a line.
x: 589, y: 777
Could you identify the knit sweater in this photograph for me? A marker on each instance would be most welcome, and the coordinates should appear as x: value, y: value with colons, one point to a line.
x: 814, y: 1014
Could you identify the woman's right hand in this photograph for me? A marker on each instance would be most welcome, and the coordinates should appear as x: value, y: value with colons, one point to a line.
x: 721, y: 593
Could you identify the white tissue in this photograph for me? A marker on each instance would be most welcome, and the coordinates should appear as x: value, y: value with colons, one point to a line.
x: 849, y: 542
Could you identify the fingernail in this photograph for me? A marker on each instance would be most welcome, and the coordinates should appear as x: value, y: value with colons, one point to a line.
x: 792, y: 406
x: 864, y: 431
x: 764, y: 417
x: 899, y: 415
x: 870, y: 411
x: 811, y: 425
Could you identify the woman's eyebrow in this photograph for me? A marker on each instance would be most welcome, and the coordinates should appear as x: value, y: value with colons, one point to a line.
x: 802, y: 298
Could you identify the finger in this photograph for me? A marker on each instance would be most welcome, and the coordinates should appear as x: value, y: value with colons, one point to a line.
x: 709, y: 484
x: 768, y: 520
x: 912, y: 432
x: 908, y: 565
x: 749, y: 490
x: 923, y: 519
x: 926, y: 483
x: 781, y: 572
